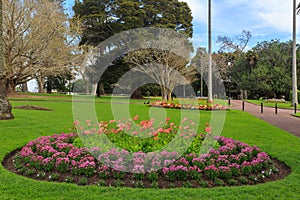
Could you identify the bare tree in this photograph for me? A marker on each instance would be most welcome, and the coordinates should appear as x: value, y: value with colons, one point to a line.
x: 36, y: 41
x: 164, y: 67
x: 238, y: 44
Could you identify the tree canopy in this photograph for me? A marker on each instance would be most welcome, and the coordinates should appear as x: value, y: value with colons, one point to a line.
x: 265, y: 70
x: 103, y: 18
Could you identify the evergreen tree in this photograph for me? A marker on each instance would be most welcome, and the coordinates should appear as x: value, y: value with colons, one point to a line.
x: 104, y: 18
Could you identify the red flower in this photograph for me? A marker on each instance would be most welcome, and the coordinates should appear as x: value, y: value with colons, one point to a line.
x: 208, y: 130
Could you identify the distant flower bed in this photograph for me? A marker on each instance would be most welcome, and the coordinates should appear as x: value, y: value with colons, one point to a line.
x: 209, y: 106
x: 60, y: 158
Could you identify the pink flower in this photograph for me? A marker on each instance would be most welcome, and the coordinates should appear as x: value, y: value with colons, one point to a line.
x: 208, y: 130
x: 136, y: 118
x: 135, y: 133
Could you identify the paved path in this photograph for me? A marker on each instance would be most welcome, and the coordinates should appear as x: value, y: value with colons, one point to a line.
x: 283, y: 119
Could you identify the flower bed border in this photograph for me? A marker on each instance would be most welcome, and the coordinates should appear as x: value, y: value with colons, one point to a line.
x: 171, y: 105
x: 130, y: 180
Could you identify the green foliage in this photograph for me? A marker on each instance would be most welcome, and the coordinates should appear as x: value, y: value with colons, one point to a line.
x: 104, y: 18
x: 219, y: 182
x: 138, y: 184
x: 69, y: 180
x: 101, y: 183
x: 83, y: 181
x: 265, y: 71
x: 119, y: 183
x: 152, y: 176
x: 138, y: 176
x: 290, y: 96
x: 232, y: 182
x: 53, y: 177
x: 78, y: 143
x: 154, y: 184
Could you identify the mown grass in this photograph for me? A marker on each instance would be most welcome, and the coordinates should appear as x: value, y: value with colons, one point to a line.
x: 29, y: 125
x: 286, y: 105
x: 297, y: 114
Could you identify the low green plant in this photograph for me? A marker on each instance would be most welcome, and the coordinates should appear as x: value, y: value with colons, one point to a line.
x: 119, y: 183
x: 41, y: 175
x: 203, y: 184
x: 138, y: 184
x: 118, y: 174
x: 69, y: 180
x: 152, y: 176
x: 187, y: 184
x: 101, y: 183
x: 83, y: 181
x: 54, y: 177
x: 171, y: 185
x: 243, y: 180
x: 195, y: 175
x: 138, y: 176
x: 219, y: 182
x: 30, y: 172
x: 232, y: 182
x: 154, y: 184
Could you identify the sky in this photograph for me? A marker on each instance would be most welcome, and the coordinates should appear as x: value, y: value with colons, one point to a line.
x: 265, y: 19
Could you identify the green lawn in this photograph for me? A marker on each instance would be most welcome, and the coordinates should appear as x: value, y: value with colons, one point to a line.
x: 29, y: 125
x: 286, y: 104
x: 297, y: 114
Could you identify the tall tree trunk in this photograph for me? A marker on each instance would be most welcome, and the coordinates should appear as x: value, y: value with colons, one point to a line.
x: 101, y: 89
x: 24, y: 87
x: 94, y: 89
x: 170, y: 95
x: 40, y: 80
x: 164, y: 94
x: 137, y: 94
x: 5, y: 106
x: 10, y: 87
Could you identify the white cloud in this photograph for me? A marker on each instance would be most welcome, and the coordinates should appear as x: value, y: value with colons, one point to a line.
x: 234, y: 15
x: 199, y: 10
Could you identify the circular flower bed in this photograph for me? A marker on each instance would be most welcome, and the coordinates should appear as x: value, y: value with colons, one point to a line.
x: 188, y: 106
x: 229, y: 163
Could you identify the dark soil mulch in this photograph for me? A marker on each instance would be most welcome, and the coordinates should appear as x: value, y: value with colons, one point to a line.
x: 130, y: 181
x: 31, y: 107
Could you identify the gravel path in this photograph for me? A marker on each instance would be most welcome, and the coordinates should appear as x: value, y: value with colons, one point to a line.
x: 283, y: 119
